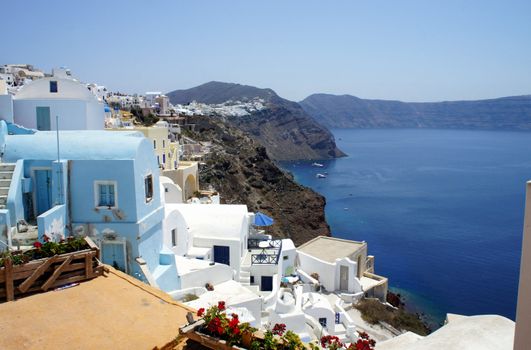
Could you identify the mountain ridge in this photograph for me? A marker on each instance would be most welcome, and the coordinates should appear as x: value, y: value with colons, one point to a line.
x: 283, y: 127
x: 347, y: 111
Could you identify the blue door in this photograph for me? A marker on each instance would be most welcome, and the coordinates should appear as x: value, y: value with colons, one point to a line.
x: 113, y: 254
x: 267, y: 283
x: 43, y: 118
x: 43, y: 191
x: 222, y: 254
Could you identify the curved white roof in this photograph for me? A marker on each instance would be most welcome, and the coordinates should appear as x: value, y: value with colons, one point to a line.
x: 66, y: 89
x: 213, y: 220
x: 75, y: 145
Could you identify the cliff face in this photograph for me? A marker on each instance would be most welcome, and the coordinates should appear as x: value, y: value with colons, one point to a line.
x: 282, y: 127
x: 241, y: 170
x: 508, y: 113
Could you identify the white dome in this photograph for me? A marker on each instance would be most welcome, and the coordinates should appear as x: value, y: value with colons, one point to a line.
x: 67, y: 89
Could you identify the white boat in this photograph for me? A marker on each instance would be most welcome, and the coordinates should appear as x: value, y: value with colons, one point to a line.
x: 318, y: 165
x: 320, y: 176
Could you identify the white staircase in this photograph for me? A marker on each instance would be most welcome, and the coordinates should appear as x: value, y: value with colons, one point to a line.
x: 6, y: 173
x: 245, y: 275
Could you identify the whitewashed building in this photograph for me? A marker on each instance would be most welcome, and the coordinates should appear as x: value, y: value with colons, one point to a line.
x: 38, y: 103
x: 341, y: 266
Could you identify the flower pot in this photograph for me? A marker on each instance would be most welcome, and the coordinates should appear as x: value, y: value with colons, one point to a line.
x: 247, y: 339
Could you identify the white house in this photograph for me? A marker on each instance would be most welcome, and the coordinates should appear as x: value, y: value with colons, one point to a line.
x: 341, y: 265
x: 38, y: 103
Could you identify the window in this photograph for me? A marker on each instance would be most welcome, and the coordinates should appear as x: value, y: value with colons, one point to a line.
x: 285, y: 257
x: 148, y: 187
x: 164, y: 158
x: 251, y: 281
x: 105, y: 194
x: 53, y: 86
x: 163, y: 143
x: 322, y: 321
x: 174, y: 237
x: 155, y: 144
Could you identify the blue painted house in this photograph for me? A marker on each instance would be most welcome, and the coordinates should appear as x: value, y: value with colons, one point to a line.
x: 101, y: 184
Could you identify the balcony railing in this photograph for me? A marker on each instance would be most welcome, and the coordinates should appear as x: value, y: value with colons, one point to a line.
x: 264, y: 259
x: 253, y: 243
x: 270, y: 253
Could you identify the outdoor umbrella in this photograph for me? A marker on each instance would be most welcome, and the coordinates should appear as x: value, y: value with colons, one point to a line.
x: 260, y: 219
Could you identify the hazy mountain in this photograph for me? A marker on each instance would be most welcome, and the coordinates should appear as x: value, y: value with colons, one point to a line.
x: 345, y: 111
x: 283, y: 127
x: 219, y: 92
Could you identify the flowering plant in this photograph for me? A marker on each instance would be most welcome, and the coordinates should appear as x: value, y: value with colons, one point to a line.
x: 229, y: 328
x: 219, y: 324
x: 364, y: 342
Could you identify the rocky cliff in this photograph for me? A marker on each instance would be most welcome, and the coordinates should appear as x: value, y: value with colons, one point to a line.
x: 241, y: 170
x: 282, y: 127
x: 508, y: 113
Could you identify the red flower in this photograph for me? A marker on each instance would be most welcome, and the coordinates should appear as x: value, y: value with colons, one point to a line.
x: 37, y: 245
x: 221, y: 305
x: 45, y: 238
x: 279, y: 329
x: 201, y: 312
x: 331, y: 340
x: 234, y: 323
x: 215, y: 326
x: 235, y: 331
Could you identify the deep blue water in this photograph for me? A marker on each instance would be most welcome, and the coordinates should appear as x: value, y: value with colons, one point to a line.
x: 441, y: 210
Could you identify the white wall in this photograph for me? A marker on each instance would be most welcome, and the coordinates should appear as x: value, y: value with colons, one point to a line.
x: 320, y: 312
x: 329, y: 273
x: 6, y: 108
x: 174, y: 220
x: 354, y: 285
x: 214, y: 274
x: 287, y: 266
x: 259, y: 270
x: 233, y: 244
x: 326, y: 270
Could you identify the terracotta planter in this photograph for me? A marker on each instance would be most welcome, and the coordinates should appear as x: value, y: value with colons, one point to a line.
x: 247, y: 339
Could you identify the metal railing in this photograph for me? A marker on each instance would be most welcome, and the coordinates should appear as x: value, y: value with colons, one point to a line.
x: 264, y: 257
x: 253, y: 243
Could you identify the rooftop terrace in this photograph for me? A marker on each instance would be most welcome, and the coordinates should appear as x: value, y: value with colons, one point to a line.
x: 329, y: 249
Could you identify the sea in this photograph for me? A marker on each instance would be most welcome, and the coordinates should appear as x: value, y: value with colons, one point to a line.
x: 441, y: 210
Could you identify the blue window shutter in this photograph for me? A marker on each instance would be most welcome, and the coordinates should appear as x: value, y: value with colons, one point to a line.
x: 111, y: 195
x: 103, y: 195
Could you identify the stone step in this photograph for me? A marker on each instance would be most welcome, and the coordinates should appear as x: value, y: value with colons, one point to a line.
x: 2, y: 206
x: 245, y: 268
x: 4, y: 191
x: 245, y: 274
x: 7, y: 167
x: 5, y: 182
x: 3, y: 199
x: 6, y: 174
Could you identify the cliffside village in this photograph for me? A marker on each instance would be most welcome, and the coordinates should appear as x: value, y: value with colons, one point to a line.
x: 77, y: 161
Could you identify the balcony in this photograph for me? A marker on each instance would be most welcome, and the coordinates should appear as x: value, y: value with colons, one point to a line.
x: 264, y: 251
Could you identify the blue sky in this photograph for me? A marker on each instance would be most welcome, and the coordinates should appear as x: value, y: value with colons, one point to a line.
x: 408, y: 50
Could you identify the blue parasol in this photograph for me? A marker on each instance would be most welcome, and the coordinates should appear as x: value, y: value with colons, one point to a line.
x: 260, y: 219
